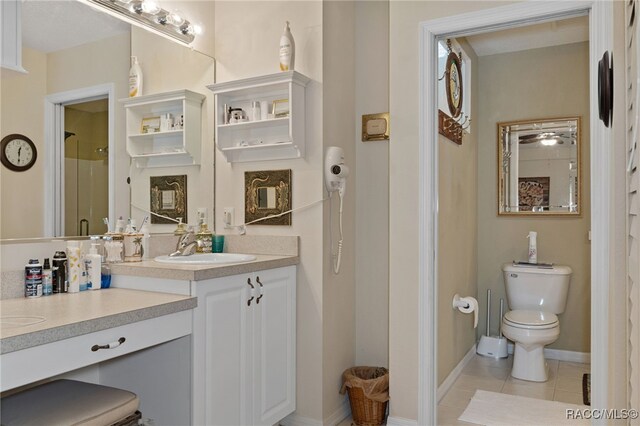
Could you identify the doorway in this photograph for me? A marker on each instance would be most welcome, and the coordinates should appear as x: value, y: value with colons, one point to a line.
x: 601, y: 176
x: 79, y: 161
x: 86, y: 167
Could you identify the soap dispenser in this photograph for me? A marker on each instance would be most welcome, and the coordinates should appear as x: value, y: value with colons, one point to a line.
x: 204, y: 235
x: 181, y: 229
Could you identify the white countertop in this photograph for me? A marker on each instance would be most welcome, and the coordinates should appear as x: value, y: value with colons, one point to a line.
x: 152, y: 269
x: 69, y: 315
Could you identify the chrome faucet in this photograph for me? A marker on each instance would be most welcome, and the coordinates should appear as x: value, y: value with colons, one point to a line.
x: 186, y: 245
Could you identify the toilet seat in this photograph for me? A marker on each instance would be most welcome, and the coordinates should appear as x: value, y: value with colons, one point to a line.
x: 531, y: 320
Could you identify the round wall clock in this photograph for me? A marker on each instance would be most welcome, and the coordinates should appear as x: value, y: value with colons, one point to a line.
x: 454, y: 84
x: 18, y: 152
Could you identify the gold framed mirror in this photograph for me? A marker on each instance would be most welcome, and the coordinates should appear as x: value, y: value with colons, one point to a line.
x: 267, y: 193
x: 539, y: 169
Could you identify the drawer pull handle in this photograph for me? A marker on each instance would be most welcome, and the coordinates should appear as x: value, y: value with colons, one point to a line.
x: 111, y: 345
x: 261, y: 293
x: 252, y: 287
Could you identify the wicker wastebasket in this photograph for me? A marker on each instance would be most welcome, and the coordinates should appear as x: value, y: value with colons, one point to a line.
x: 368, y: 389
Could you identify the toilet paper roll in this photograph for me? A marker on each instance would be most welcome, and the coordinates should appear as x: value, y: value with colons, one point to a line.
x: 469, y: 304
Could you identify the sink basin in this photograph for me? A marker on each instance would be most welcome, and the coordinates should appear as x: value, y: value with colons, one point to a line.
x: 19, y: 321
x: 206, y: 259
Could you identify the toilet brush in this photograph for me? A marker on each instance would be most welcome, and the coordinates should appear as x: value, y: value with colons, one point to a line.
x: 492, y: 346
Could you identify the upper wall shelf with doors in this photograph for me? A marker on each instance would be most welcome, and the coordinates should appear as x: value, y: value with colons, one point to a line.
x: 278, y: 136
x: 151, y: 144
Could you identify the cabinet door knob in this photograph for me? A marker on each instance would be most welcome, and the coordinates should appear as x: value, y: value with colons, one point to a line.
x: 261, y: 287
x: 111, y: 345
x: 252, y: 287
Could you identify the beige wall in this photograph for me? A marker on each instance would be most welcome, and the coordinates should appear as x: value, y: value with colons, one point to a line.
x: 403, y: 200
x: 246, y: 44
x: 338, y: 128
x: 22, y: 112
x: 457, y: 235
x: 372, y: 186
x: 538, y: 83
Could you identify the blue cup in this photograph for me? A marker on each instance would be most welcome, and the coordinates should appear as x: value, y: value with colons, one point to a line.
x: 218, y: 243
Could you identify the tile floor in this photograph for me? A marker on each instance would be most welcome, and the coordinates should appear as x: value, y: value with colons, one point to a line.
x: 564, y: 384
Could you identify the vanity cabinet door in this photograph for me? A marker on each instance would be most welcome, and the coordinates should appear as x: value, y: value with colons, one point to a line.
x: 274, y: 322
x: 244, y: 348
x: 222, y: 353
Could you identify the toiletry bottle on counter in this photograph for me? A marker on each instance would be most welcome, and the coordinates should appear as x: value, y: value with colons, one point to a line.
x: 93, y: 262
x: 135, y: 78
x: 105, y: 270
x: 287, y: 50
x: 33, y: 279
x: 144, y: 230
x: 74, y: 266
x: 60, y: 272
x: 47, y: 284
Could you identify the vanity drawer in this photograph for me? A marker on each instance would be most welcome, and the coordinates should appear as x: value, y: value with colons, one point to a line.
x: 40, y: 362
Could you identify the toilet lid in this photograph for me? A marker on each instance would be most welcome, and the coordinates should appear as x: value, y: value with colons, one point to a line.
x: 531, y: 319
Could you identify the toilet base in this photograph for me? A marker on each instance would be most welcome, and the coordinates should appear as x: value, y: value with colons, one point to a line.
x: 529, y: 363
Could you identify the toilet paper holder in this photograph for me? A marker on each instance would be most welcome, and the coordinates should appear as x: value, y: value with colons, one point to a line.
x: 466, y: 305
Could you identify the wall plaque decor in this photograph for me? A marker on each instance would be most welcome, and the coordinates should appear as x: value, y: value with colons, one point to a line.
x: 168, y: 197
x: 267, y: 193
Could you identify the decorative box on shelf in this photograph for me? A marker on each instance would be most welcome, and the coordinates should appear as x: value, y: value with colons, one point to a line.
x: 277, y: 133
x: 164, y: 129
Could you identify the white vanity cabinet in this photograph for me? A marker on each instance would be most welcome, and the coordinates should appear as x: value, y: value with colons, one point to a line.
x: 244, y: 348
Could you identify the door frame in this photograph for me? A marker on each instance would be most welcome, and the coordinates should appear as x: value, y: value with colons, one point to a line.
x: 600, y: 40
x: 53, y: 213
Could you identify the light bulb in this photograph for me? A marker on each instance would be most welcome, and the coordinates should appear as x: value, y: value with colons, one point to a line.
x: 175, y: 18
x: 197, y: 29
x: 150, y: 7
x: 549, y: 142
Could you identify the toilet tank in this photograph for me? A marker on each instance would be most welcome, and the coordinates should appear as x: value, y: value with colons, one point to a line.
x: 537, y: 289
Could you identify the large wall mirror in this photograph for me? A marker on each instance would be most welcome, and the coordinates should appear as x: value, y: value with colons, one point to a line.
x: 539, y: 167
x: 77, y: 60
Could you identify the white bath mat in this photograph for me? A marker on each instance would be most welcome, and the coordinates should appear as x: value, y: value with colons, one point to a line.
x: 493, y: 409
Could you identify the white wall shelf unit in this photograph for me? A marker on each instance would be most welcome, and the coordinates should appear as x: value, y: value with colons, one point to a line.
x: 269, y: 139
x: 173, y: 147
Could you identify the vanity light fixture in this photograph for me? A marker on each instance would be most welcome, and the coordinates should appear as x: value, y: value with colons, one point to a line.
x: 149, y: 15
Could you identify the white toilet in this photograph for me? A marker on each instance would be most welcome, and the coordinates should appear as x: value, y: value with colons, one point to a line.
x: 535, y: 295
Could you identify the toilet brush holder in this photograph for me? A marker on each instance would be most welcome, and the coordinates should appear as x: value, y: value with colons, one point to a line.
x: 492, y: 346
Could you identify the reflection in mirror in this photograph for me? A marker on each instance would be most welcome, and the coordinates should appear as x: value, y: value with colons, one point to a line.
x: 68, y: 48
x: 539, y: 166
x: 86, y: 181
x: 266, y: 197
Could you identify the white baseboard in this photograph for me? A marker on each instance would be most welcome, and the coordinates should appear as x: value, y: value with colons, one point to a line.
x: 399, y: 421
x: 339, y: 415
x: 335, y: 418
x: 561, y: 355
x: 455, y: 373
x: 569, y: 356
x: 294, y: 419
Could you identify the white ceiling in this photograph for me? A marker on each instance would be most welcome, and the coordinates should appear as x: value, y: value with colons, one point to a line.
x: 567, y: 31
x: 52, y: 25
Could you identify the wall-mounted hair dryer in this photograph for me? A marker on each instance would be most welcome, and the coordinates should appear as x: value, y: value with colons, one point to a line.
x: 335, y: 179
x: 335, y: 171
